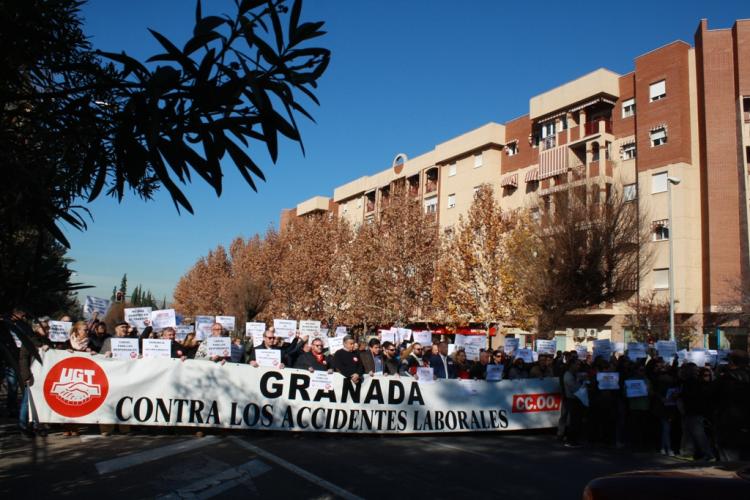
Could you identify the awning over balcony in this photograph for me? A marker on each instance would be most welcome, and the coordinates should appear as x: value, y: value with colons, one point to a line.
x: 510, y: 180
x: 590, y: 103
x: 553, y: 162
x: 532, y: 175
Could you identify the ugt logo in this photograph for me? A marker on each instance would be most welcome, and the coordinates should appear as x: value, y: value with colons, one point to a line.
x: 75, y: 387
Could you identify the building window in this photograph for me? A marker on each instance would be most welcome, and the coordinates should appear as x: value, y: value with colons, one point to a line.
x: 452, y: 169
x: 511, y: 149
x: 661, y: 278
x: 629, y: 192
x: 660, y: 230
x: 478, y: 160
x: 628, y: 107
x: 548, y: 129
x: 657, y: 90
x: 627, y: 152
x: 451, y: 200
x: 658, y: 136
x: 430, y: 205
x: 659, y: 183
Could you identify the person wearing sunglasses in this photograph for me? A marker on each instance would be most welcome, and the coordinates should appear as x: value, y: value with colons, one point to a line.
x: 315, y: 359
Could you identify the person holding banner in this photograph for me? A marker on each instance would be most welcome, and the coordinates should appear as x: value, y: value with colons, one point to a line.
x: 176, y: 350
x: 348, y: 361
x: 442, y: 364
x: 315, y: 359
x: 97, y: 335
x: 79, y: 338
x: 190, y: 345
x: 389, y: 357
x: 372, y: 358
x: 479, y: 369
x: 461, y: 365
x: 543, y: 367
x: 202, y: 353
x: 121, y: 331
x: 518, y: 369
x: 411, y: 359
x: 269, y: 342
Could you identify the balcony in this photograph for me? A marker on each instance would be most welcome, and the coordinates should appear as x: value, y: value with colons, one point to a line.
x: 547, y: 142
x: 430, y: 186
x: 747, y: 116
x: 594, y: 127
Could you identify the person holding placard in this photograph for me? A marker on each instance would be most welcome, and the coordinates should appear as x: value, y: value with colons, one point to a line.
x: 695, y: 398
x: 348, y: 360
x: 269, y: 342
x: 121, y: 331
x: 372, y: 358
x: 639, y: 404
x: 97, y: 335
x: 202, y: 353
x: 412, y: 358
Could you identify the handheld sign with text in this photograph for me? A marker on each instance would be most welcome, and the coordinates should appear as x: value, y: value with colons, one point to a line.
x: 697, y: 356
x: 424, y: 337
x: 526, y: 355
x: 582, y: 351
x: 405, y: 334
x: 341, y: 331
x: 712, y: 357
x: 219, y: 346
x: 494, y: 373
x: 157, y: 348
x: 546, y: 346
x: 472, y: 345
x: 203, y: 326
x: 227, y: 322
x: 636, y: 350
x: 182, y: 331
x: 460, y: 341
x: 425, y: 375
x: 666, y: 349
x: 285, y: 328
x: 59, y: 331
x: 636, y: 388
x: 618, y: 347
x: 388, y: 336
x: 258, y: 338
x: 321, y: 380
x: 309, y: 328
x: 137, y: 316
x: 95, y: 304
x: 511, y: 345
x: 603, y: 348
x: 268, y: 357
x: 335, y: 343
x: 608, y: 381
x: 451, y: 349
x: 254, y: 328
x: 163, y: 318
x: 722, y: 356
x: 124, y: 348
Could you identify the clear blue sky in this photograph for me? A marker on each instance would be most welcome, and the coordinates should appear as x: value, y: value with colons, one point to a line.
x: 404, y: 76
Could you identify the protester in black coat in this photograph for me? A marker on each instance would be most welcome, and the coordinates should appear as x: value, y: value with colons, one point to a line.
x: 348, y: 361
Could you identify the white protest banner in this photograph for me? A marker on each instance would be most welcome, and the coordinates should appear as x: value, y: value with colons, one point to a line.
x: 636, y: 350
x: 321, y: 380
x: 341, y: 331
x: 666, y: 349
x: 309, y: 328
x: 471, y: 387
x: 203, y: 326
x: 157, y: 348
x: 425, y: 375
x: 472, y: 345
x: 603, y: 348
x: 219, y: 346
x: 254, y: 328
x: 697, y: 356
x: 608, y: 381
x: 59, y: 331
x: 182, y: 331
x: 150, y: 392
x: 388, y: 336
x: 137, y: 316
x: 335, y: 343
x: 405, y: 334
x: 95, y: 304
x: 163, y: 318
x: 511, y: 345
x: 423, y: 337
x: 285, y: 328
x: 636, y: 388
x: 526, y: 355
x: 324, y: 332
x: 227, y: 322
x: 494, y: 373
x: 582, y: 351
x: 546, y: 346
x: 268, y: 357
x: 460, y: 341
x: 124, y: 348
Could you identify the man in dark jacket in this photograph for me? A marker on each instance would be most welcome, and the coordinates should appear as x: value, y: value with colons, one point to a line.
x: 348, y: 362
x: 442, y: 364
x: 372, y: 358
x: 315, y: 359
x: 389, y: 358
x: 26, y: 357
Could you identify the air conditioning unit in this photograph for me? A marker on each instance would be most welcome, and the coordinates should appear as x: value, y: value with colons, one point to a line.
x: 591, y: 332
x: 580, y: 333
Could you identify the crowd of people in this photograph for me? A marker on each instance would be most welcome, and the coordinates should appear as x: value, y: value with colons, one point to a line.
x: 700, y: 412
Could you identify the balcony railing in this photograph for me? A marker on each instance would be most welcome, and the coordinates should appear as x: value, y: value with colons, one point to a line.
x: 430, y: 186
x: 593, y: 127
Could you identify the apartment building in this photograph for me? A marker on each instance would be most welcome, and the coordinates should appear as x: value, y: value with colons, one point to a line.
x: 679, y: 122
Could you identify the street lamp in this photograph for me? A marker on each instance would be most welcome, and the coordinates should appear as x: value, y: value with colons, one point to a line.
x: 670, y: 182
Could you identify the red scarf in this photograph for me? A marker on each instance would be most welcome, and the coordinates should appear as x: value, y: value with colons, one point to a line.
x: 320, y: 358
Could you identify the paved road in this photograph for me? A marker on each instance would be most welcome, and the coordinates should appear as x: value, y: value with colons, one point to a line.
x: 286, y: 465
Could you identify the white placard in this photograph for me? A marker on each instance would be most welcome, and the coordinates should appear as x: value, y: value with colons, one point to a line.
x: 335, y: 343
x: 323, y: 333
x: 636, y: 350
x: 425, y: 375
x: 341, y: 331
x: 157, y: 348
x: 666, y: 349
x: 268, y: 357
x: 253, y: 328
x: 712, y: 357
x: 388, y: 336
x: 697, y: 356
x: 527, y: 355
x: 472, y: 387
x: 546, y: 346
x: 460, y: 341
x: 227, y: 322
x: 618, y: 347
x: 163, y: 318
x: 95, y: 304
x: 137, y: 316
x: 582, y: 352
x: 511, y: 345
x: 309, y: 328
x: 219, y: 346
x: 423, y: 337
x: 636, y: 388
x: 285, y: 328
x: 722, y: 355
x: 59, y: 331
x: 322, y: 380
x: 608, y: 381
x: 258, y: 338
x: 494, y: 373
x: 451, y: 349
x: 405, y: 334
x: 472, y: 345
x: 182, y: 331
x: 124, y: 348
x: 203, y: 326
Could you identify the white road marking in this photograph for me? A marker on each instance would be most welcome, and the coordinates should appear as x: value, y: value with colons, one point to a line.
x: 221, y: 482
x: 453, y: 447
x: 336, y: 490
x: 142, y: 457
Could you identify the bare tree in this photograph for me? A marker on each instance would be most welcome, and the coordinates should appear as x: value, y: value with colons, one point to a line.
x: 648, y: 319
